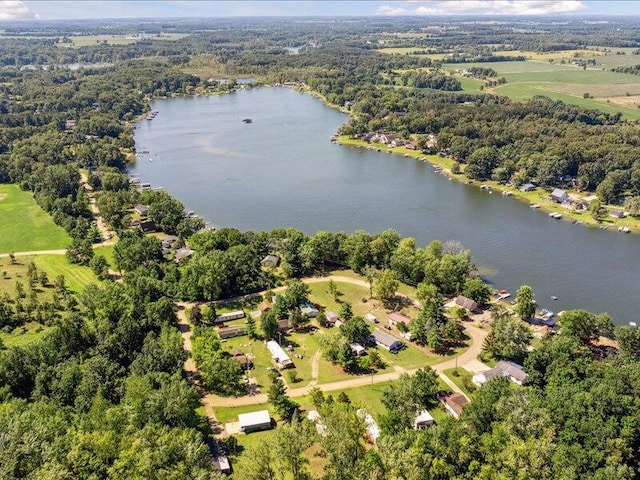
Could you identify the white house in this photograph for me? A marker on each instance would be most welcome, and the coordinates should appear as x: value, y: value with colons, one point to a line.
x: 503, y: 368
x: 278, y: 355
x: 254, y: 421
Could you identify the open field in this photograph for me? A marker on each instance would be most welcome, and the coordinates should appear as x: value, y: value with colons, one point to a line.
x: 76, y: 276
x: 22, y: 336
x: 567, y: 83
x: 90, y: 40
x: 24, y: 226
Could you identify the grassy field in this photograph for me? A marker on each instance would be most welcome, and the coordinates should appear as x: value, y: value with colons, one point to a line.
x: 23, y: 336
x: 25, y: 226
x: 107, y: 253
x: 568, y: 83
x: 76, y: 276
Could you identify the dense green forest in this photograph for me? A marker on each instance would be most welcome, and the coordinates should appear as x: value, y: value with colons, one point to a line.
x: 102, y: 394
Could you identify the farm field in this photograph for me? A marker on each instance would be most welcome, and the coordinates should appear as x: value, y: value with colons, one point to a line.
x: 25, y: 226
x: 90, y: 40
x: 567, y: 83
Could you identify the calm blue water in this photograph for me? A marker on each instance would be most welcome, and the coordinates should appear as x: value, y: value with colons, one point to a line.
x: 282, y: 170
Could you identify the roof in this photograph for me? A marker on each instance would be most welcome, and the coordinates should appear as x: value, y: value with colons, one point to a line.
x: 423, y: 417
x: 260, y: 417
x: 370, y: 316
x: 371, y: 426
x: 465, y: 302
x: 384, y: 338
x: 527, y: 186
x: 270, y: 259
x: 277, y: 353
x: 456, y: 401
x: 183, y: 253
x: 141, y: 209
x: 331, y: 316
x: 222, y: 463
x: 397, y: 317
x: 558, y: 192
x: 512, y: 369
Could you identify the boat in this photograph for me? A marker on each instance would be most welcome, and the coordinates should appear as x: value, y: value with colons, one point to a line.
x: 535, y: 205
x: 553, y: 297
x: 624, y: 229
x: 633, y: 324
x: 503, y: 294
x: 485, y: 187
x: 555, y: 215
x: 507, y: 194
x: 246, y: 120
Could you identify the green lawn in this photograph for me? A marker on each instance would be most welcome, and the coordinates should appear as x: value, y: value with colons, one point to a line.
x: 462, y: 380
x: 107, y: 253
x: 22, y: 336
x: 25, y: 226
x: 76, y: 276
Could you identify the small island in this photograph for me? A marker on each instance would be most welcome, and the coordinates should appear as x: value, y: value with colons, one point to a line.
x: 247, y: 120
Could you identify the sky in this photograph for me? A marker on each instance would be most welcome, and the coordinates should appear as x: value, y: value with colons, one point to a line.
x: 89, y: 9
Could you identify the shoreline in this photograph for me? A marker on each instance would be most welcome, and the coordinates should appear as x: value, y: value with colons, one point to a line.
x: 539, y: 196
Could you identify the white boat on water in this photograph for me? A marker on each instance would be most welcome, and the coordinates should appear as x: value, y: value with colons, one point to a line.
x: 624, y: 229
x: 535, y: 205
x: 633, y: 324
x: 555, y: 215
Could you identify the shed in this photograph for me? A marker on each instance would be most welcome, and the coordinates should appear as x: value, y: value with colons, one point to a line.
x: 386, y: 341
x: 396, y: 317
x: 466, y: 302
x: 147, y: 226
x: 242, y: 359
x: 221, y: 462
x: 527, y: 187
x: 254, y: 421
x: 270, y: 261
x: 422, y: 419
x: 283, y: 325
x: 560, y: 196
x: 309, y: 310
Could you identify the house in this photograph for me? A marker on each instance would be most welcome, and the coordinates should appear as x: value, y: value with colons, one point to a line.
x: 396, y: 317
x: 147, y: 226
x: 230, y: 332
x: 330, y: 318
x: 357, y: 349
x: 371, y: 317
x: 386, y: 341
x: 242, y: 359
x: 264, y: 306
x: 527, y: 187
x: 168, y: 241
x: 467, y: 303
x: 70, y: 124
x: 278, y: 355
x: 255, y: 421
x: 221, y: 462
x: 142, y: 210
x: 270, y: 261
x: 503, y: 368
x: 412, y: 145
x: 309, y: 310
x: 454, y: 403
x: 227, y: 317
x: 423, y: 419
x: 616, y: 213
x: 372, y: 431
x: 183, y: 253
x: 559, y: 196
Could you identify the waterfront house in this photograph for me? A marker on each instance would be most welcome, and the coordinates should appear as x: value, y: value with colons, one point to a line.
x: 423, y: 419
x: 230, y: 332
x: 396, y: 317
x: 467, y: 303
x: 270, y: 261
x: 254, y: 421
x: 386, y: 341
x: 168, y: 241
x: 142, y: 210
x: 454, y: 403
x: 527, y: 187
x: 503, y: 368
x: 616, y: 213
x: 559, y: 196
x: 412, y: 145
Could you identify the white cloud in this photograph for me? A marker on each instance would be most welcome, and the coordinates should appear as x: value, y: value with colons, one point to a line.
x: 487, y: 7
x: 15, y: 10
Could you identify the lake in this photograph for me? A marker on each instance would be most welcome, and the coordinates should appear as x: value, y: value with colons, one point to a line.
x: 282, y: 170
